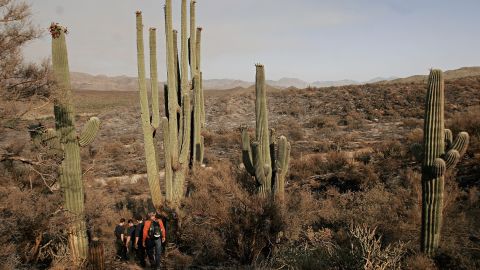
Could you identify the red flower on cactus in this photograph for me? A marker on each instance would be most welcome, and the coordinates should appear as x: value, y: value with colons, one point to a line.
x: 55, y: 30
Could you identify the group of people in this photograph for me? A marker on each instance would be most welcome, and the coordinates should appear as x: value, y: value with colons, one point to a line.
x: 141, y: 239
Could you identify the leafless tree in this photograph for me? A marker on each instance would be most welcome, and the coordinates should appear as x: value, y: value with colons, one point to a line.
x: 19, y: 81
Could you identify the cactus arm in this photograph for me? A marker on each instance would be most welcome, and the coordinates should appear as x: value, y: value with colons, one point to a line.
x: 186, y: 131
x: 439, y: 168
x: 178, y: 77
x: 198, y: 110
x: 192, y: 40
x: 282, y: 167
x: 180, y: 121
x: 273, y: 143
x: 200, y: 151
x: 89, y: 132
x: 461, y: 143
x: 198, y: 40
x: 451, y: 158
x: 184, y: 48
x: 165, y: 98
x: 247, y: 152
x: 196, y: 121
x: 171, y: 81
x: 168, y: 160
x: 154, y: 78
x: 448, y: 138
x: 202, y: 101
x: 258, y: 164
x: 283, y: 155
x: 150, y: 156
x: 456, y: 150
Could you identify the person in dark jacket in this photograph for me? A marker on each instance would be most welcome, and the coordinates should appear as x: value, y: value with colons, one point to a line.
x: 130, y: 239
x: 139, y: 248
x: 120, y: 239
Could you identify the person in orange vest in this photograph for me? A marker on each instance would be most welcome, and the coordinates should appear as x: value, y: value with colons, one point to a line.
x: 153, y: 237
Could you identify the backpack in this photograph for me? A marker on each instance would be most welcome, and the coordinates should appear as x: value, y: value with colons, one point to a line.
x: 132, y: 231
x: 154, y: 232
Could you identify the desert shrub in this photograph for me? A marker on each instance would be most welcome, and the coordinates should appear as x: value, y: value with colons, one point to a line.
x: 291, y: 129
x: 295, y: 109
x: 296, y: 134
x: 369, y: 251
x: 316, y: 164
x: 413, y: 123
x: 363, y: 156
x: 36, y: 227
x: 353, y: 120
x: 114, y: 150
x: 468, y: 121
x: 322, y: 122
x: 222, y: 221
x: 362, y: 249
x: 420, y: 262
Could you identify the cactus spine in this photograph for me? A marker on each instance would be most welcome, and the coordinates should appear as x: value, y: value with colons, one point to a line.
x: 259, y: 157
x: 66, y: 137
x: 440, y: 154
x: 148, y: 126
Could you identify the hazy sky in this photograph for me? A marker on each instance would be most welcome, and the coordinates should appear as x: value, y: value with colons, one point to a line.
x: 307, y: 39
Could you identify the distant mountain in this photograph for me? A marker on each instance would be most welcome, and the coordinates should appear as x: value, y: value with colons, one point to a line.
x: 381, y: 79
x: 84, y: 81
x: 333, y: 83
x: 448, y: 75
x: 287, y: 82
x: 225, y: 84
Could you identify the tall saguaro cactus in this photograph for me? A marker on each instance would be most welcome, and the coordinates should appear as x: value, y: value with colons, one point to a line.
x: 199, y: 107
x: 177, y: 125
x: 69, y: 143
x: 176, y: 144
x: 440, y: 153
x: 149, y: 126
x: 259, y: 157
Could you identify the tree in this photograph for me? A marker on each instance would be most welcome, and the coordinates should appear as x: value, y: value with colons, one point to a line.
x: 19, y: 81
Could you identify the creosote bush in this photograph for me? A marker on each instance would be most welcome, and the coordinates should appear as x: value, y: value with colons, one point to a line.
x: 223, y: 220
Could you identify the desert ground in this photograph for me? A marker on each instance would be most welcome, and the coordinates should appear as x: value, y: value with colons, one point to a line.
x: 351, y: 153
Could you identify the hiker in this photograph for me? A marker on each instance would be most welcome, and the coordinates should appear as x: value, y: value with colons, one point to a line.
x: 120, y: 239
x: 139, y: 248
x: 153, y: 237
x: 130, y: 238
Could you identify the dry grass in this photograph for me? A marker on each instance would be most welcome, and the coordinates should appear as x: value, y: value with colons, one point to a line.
x: 332, y: 181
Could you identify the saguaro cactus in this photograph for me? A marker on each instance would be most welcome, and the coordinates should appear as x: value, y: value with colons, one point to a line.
x: 149, y: 125
x: 199, y: 107
x: 67, y: 140
x: 440, y: 153
x: 259, y: 157
x: 177, y: 125
x: 176, y: 144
